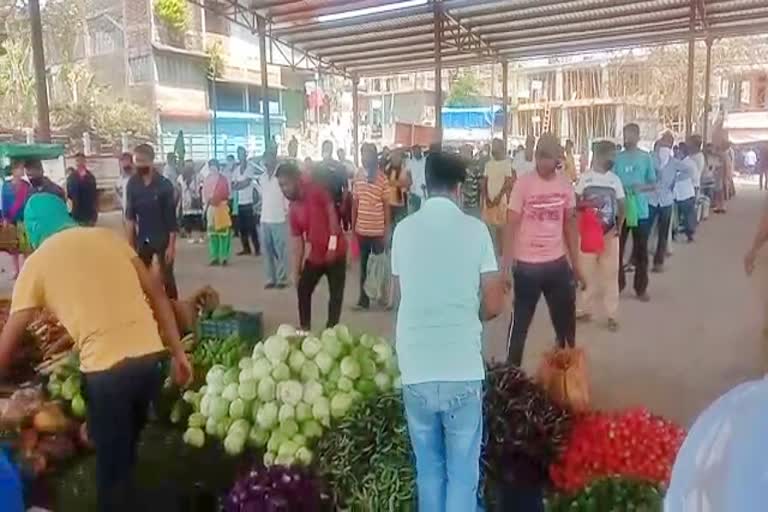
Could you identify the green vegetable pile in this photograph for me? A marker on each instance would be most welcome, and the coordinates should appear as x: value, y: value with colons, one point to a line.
x: 226, y: 352
x: 288, y: 391
x: 367, y: 458
x: 65, y: 383
x: 610, y: 495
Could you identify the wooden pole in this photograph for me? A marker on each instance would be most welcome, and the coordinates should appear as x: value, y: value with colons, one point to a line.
x: 707, y: 83
x: 41, y: 83
x: 505, y: 101
x: 355, y: 120
x: 261, y: 24
x: 438, y: 33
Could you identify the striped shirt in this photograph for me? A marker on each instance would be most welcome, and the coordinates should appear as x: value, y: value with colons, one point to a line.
x: 370, y: 199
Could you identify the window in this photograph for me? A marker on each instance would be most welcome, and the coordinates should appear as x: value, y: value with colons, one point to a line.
x: 179, y: 71
x: 216, y: 24
x: 139, y: 69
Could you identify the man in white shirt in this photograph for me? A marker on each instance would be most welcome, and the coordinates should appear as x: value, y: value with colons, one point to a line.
x: 274, y: 231
x: 685, y: 193
x: 417, y: 164
x: 524, y: 163
x: 243, y: 183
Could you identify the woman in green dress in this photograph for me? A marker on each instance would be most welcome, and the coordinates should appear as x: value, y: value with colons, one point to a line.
x: 216, y: 196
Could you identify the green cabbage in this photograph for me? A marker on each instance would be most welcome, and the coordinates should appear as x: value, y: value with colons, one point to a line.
x: 290, y: 392
x: 215, y: 374
x: 311, y: 429
x: 276, y: 349
x: 266, y: 389
x: 324, y: 362
x: 231, y: 391
x: 321, y: 410
x: 281, y: 372
x: 223, y: 427
x: 247, y: 390
x: 350, y: 368
x: 267, y: 415
x: 234, y: 444
x: 245, y: 363
x: 211, y: 426
x: 367, y: 368
x: 286, y: 330
x: 303, y: 411
x: 396, y: 383
x: 219, y: 408
x: 216, y: 388
x: 196, y: 420
x: 269, y: 459
x: 231, y: 376
x: 289, y: 428
x: 239, y: 427
x: 258, y: 437
x: 343, y: 334
x: 261, y: 368
x: 345, y: 384
x: 383, y: 382
x: 367, y: 340
x: 383, y: 352
x: 205, y: 404
x: 366, y: 387
x: 299, y: 439
x: 275, y: 440
x: 313, y: 391
x: 238, y: 409
x: 258, y: 351
x: 309, y: 371
x: 340, y: 404
x: 194, y: 436
x: 331, y: 345
x: 311, y: 346
x: 287, y: 449
x: 296, y: 360
x: 246, y: 374
x: 304, y: 456
x: 286, y: 412
x: 284, y: 460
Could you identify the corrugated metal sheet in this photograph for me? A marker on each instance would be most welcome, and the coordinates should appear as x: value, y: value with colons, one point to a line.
x: 354, y: 38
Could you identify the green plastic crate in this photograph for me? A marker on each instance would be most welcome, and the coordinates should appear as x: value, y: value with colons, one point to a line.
x: 248, y: 326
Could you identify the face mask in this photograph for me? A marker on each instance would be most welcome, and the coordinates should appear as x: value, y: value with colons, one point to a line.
x: 127, y: 168
x: 609, y: 165
x: 36, y: 181
x: 142, y: 170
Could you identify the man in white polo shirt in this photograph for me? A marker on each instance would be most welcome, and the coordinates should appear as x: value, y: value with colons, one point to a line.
x: 274, y: 231
x: 243, y: 184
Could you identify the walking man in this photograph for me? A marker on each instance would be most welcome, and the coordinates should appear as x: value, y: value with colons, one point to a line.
x: 243, y: 185
x: 274, y: 232
x: 82, y: 193
x: 313, y: 221
x: 101, y: 292
x: 635, y: 169
x: 150, y: 213
x: 601, y: 190
x: 541, y: 248
x: 444, y: 264
x: 370, y: 214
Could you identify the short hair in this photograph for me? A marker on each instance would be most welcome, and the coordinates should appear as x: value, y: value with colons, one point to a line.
x: 634, y: 127
x: 146, y: 150
x: 604, y: 147
x: 213, y: 162
x: 327, y: 142
x: 79, y: 154
x: 444, y: 172
x: 695, y: 141
x: 288, y: 170
x: 34, y: 163
x: 126, y: 156
x: 548, y: 146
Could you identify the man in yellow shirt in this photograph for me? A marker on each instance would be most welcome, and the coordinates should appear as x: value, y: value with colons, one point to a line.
x: 95, y: 284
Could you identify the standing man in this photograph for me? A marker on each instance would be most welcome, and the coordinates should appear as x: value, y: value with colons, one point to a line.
x: 661, y: 201
x: 333, y: 176
x: 417, y: 165
x: 150, y: 214
x: 471, y: 187
x: 634, y: 168
x: 170, y: 169
x: 498, y: 180
x: 601, y: 189
x: 83, y: 194
x: 525, y: 162
x: 40, y: 182
x: 274, y: 231
x: 444, y: 265
x: 349, y: 167
x: 542, y: 249
x: 94, y: 283
x: 370, y: 213
x: 126, y: 171
x: 243, y: 183
x: 685, y: 192
x: 313, y: 221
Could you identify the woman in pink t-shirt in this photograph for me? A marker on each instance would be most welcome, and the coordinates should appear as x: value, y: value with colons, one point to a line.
x: 541, y: 249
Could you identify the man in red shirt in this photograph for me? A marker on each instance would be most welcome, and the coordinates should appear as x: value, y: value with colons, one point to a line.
x: 313, y: 221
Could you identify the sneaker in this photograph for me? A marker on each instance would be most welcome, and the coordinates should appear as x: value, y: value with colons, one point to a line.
x: 213, y: 263
x: 629, y: 268
x: 612, y: 325
x: 244, y: 253
x: 643, y: 297
x: 281, y: 286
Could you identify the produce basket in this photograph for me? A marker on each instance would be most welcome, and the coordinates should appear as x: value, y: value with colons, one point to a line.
x: 247, y: 326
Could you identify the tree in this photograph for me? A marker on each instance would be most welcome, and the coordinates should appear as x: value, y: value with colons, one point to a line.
x: 465, y: 91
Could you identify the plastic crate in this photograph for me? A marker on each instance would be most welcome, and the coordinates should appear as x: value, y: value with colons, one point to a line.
x: 248, y: 326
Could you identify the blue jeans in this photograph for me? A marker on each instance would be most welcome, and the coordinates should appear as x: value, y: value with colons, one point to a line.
x: 445, y: 424
x: 273, y: 247
x: 687, y: 211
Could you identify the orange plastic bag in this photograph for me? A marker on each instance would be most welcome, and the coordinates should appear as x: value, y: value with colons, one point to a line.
x: 564, y: 376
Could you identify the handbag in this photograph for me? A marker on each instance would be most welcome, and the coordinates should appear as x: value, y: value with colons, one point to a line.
x: 564, y: 377
x: 591, y: 232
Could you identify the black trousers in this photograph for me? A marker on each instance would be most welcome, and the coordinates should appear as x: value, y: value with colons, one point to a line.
x: 146, y: 253
x: 247, y: 227
x: 662, y: 214
x: 118, y: 403
x: 336, y: 273
x: 368, y: 245
x: 554, y: 280
x: 639, y: 255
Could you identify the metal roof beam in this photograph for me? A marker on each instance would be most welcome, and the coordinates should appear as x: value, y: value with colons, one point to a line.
x: 329, y: 7
x: 359, y: 20
x: 467, y: 38
x: 312, y: 36
x: 391, y: 51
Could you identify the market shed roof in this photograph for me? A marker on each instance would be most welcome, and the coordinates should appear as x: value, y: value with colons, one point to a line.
x: 368, y: 37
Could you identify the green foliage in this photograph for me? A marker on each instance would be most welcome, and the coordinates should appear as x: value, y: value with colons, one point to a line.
x: 17, y: 101
x: 465, y: 91
x: 215, y: 55
x: 172, y: 13
x: 610, y: 495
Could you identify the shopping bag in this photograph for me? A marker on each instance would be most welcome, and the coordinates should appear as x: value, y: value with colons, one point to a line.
x: 563, y: 375
x: 631, y: 214
x: 376, y: 284
x: 591, y: 232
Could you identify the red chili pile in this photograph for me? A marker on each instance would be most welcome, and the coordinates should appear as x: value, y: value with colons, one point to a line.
x: 631, y: 444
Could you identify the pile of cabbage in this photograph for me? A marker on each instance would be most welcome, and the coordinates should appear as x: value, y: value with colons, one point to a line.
x: 293, y: 387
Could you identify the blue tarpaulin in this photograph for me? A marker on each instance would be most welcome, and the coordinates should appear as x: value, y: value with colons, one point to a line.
x: 466, y: 118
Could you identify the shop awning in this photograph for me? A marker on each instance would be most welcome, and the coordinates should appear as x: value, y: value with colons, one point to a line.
x: 371, y: 37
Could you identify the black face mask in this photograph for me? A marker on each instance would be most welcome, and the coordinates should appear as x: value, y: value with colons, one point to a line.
x: 609, y: 165
x: 143, y: 170
x: 36, y: 181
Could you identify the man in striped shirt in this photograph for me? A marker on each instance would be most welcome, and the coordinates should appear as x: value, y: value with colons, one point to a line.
x: 370, y: 213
